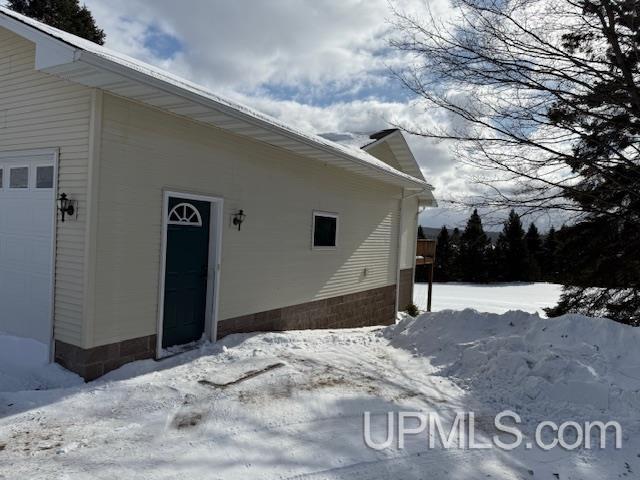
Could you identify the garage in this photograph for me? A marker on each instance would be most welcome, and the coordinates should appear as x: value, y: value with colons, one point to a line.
x: 27, y: 219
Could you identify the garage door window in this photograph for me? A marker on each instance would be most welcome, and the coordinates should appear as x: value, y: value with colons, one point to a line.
x: 19, y: 177
x: 44, y: 177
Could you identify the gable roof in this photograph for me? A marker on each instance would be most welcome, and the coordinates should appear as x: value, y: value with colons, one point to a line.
x: 81, y: 61
x: 394, y: 138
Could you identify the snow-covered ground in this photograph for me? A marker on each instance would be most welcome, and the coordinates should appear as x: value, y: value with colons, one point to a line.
x: 291, y: 405
x: 493, y: 298
x: 24, y: 365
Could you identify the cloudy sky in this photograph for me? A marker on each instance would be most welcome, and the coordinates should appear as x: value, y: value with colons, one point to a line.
x: 321, y: 65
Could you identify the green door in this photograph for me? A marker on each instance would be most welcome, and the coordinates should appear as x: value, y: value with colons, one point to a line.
x: 187, y: 263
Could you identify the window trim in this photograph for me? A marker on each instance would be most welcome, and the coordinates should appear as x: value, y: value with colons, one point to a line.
x: 320, y: 213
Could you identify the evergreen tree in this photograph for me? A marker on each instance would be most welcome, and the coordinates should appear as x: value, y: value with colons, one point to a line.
x: 495, y: 260
x: 563, y: 260
x: 550, y: 272
x: 421, y: 235
x: 474, y: 245
x: 444, y: 256
x: 454, y: 262
x: 592, y: 282
x: 534, y: 248
x: 513, y: 254
x: 66, y: 15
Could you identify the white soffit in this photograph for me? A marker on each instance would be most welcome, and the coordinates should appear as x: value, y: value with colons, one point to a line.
x: 80, y: 61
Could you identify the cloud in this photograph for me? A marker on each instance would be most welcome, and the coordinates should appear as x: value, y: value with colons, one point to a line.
x: 322, y: 65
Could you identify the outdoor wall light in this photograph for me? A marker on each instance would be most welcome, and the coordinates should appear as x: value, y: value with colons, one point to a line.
x: 65, y: 206
x: 238, y: 218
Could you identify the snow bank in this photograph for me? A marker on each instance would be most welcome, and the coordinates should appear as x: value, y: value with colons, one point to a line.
x: 539, y: 367
x: 291, y: 404
x: 22, y: 351
x: 24, y: 365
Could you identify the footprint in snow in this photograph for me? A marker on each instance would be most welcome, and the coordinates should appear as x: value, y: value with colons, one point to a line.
x: 187, y: 419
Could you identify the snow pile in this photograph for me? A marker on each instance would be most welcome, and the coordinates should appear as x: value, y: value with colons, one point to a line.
x: 24, y: 365
x: 291, y: 404
x: 538, y: 367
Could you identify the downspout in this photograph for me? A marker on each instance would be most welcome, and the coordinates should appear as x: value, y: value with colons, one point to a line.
x: 399, y: 244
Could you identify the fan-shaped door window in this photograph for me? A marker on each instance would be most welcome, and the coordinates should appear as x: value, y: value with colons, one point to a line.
x: 185, y: 214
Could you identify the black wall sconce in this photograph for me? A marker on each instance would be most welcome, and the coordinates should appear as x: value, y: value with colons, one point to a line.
x: 65, y: 206
x: 238, y: 218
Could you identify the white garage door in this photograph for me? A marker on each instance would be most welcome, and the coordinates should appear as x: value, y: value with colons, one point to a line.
x: 27, y: 214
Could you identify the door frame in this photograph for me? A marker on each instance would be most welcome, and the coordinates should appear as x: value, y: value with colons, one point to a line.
x: 213, y: 270
x: 54, y: 154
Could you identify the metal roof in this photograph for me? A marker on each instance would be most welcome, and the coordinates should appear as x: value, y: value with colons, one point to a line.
x: 81, y: 61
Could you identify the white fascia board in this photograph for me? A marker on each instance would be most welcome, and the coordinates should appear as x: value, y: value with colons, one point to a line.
x: 405, y: 146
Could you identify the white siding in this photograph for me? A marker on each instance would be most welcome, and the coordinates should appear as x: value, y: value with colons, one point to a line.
x: 40, y: 111
x: 267, y: 265
x: 383, y: 152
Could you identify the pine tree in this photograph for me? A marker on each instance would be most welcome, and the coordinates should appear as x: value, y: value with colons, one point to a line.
x: 534, y: 248
x: 66, y: 15
x: 592, y: 282
x: 455, y: 238
x: 444, y: 256
x: 421, y: 235
x: 549, y: 251
x: 454, y: 262
x: 474, y: 246
x: 495, y: 261
x: 513, y: 254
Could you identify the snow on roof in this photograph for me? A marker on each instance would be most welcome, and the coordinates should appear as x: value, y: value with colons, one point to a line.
x: 83, y: 45
x: 348, y: 139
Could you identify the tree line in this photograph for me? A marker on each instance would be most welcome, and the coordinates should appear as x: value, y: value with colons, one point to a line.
x: 543, y: 100
x: 517, y: 255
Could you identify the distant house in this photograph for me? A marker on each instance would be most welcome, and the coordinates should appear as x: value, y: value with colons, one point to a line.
x: 186, y: 216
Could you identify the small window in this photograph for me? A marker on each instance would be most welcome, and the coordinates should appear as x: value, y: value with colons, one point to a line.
x: 1, y: 178
x: 44, y: 177
x: 325, y: 229
x: 19, y: 177
x: 185, y: 214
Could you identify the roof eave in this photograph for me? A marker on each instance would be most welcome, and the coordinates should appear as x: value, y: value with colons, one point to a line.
x: 90, y: 58
x: 59, y: 57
